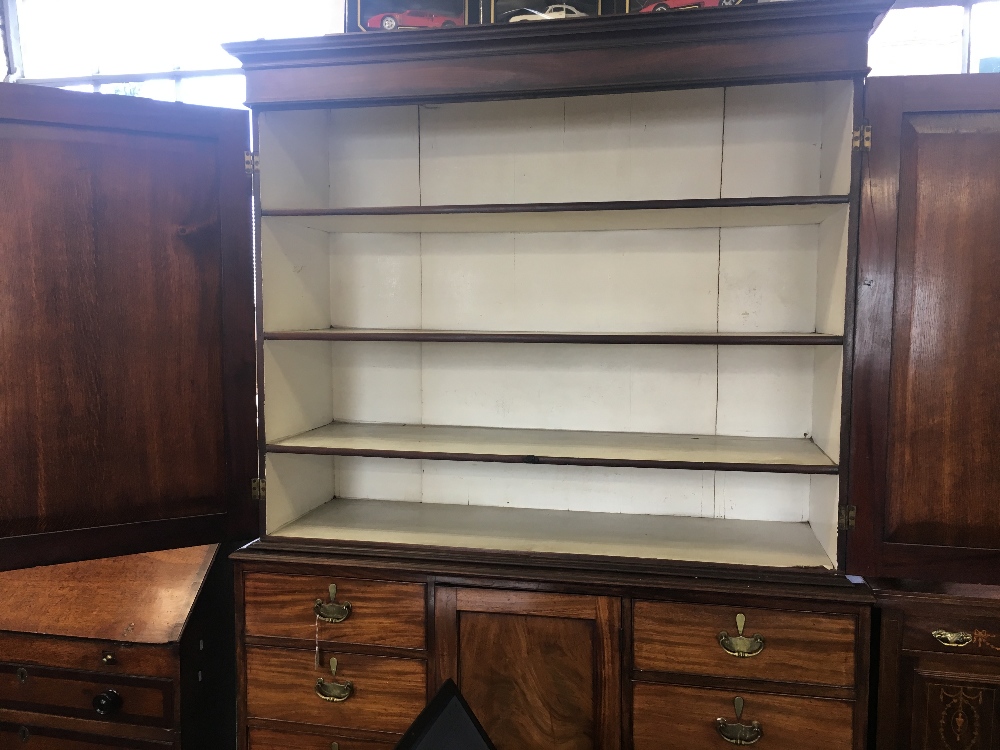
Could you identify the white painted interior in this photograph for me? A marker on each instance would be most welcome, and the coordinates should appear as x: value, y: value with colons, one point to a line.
x: 752, y: 141
x: 689, y: 539
x: 779, y: 279
x: 751, y: 270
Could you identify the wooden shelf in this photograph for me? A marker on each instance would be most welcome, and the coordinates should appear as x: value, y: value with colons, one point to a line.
x: 535, y: 337
x: 614, y: 449
x: 571, y: 217
x: 762, y: 543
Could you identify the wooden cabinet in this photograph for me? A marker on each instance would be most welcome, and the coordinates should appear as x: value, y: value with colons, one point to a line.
x: 940, y: 667
x: 134, y: 651
x: 533, y: 343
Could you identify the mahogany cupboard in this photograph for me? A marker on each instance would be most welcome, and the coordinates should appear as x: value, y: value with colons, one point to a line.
x: 553, y: 329
x: 556, y: 355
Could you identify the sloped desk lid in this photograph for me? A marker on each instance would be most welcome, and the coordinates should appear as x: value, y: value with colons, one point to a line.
x: 142, y: 598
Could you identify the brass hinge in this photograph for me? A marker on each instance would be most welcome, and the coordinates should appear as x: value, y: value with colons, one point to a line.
x: 848, y: 517
x: 258, y: 489
x: 862, y: 139
x: 251, y: 162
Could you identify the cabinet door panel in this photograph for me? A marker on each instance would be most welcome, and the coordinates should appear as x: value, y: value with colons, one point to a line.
x: 538, y: 670
x: 924, y: 456
x: 126, y: 326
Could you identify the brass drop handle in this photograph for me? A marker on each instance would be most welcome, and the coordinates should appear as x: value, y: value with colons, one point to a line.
x: 334, y: 692
x: 952, y: 640
x: 739, y: 645
x: 736, y: 733
x: 332, y: 611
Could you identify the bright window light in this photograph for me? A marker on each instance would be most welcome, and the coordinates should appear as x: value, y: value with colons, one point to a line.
x: 918, y: 41
x: 985, y: 51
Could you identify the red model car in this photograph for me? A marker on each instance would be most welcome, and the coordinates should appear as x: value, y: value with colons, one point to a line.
x: 414, y: 19
x: 656, y: 6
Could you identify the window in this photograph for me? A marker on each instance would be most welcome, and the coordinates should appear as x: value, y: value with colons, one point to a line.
x: 162, y: 49
x: 937, y: 36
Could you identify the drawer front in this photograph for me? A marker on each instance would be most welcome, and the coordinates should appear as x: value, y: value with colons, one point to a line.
x: 67, y: 692
x: 383, y: 613
x: 668, y: 716
x: 796, y: 647
x: 269, y: 739
x: 91, y: 656
x: 32, y: 737
x: 388, y: 693
x: 953, y: 630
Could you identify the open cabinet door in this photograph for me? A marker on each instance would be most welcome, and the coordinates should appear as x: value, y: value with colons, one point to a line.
x: 127, y: 370
x: 925, y: 448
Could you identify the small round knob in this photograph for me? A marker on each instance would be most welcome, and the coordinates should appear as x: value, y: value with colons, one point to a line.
x: 107, y: 703
x: 108, y: 659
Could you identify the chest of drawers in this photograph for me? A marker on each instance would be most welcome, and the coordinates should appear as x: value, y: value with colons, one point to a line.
x: 130, y: 652
x: 347, y: 649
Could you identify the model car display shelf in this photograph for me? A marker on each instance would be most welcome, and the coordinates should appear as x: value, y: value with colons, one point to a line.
x: 526, y: 323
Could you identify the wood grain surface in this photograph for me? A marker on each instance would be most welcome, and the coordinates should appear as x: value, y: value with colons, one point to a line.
x: 116, y: 407
x: 538, y: 669
x: 275, y: 739
x: 143, y: 598
x: 388, y: 693
x: 124, y: 242
x: 86, y: 654
x: 944, y: 463
x: 530, y: 680
x: 923, y: 455
x: 383, y: 613
x: 760, y: 42
x: 800, y: 647
x: 666, y: 717
x: 42, y: 737
x: 71, y: 693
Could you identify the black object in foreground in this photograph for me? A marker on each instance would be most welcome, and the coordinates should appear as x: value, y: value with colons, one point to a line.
x: 446, y: 724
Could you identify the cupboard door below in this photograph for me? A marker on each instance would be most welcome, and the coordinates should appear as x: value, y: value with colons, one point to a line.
x: 538, y: 670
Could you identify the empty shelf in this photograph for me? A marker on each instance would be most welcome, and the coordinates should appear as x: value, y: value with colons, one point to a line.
x: 571, y: 217
x: 614, y: 449
x: 759, y: 543
x: 537, y: 337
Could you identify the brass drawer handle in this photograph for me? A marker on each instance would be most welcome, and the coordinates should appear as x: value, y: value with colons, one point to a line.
x: 736, y: 733
x: 332, y: 611
x: 741, y: 646
x: 334, y: 692
x: 952, y: 640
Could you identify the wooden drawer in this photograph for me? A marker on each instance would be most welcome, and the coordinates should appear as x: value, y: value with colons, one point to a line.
x: 34, y: 737
x: 669, y: 716
x: 388, y: 692
x: 798, y: 646
x: 270, y: 739
x: 69, y: 692
x: 88, y: 655
x: 383, y: 613
x: 974, y: 633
